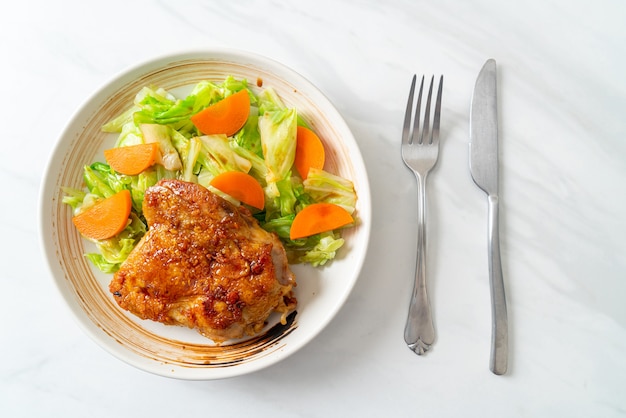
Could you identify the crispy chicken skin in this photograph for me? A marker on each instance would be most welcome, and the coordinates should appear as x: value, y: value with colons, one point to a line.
x: 205, y: 264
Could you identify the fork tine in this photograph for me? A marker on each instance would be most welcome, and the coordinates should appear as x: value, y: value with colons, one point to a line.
x: 437, y: 117
x: 407, y: 115
x: 417, y: 135
x: 426, y: 133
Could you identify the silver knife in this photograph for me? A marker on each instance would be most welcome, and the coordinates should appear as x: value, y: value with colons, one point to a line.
x: 484, y: 169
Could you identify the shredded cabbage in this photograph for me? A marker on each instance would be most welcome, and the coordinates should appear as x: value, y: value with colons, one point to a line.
x: 278, y: 138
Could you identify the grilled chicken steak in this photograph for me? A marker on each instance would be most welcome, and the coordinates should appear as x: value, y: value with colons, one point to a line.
x: 205, y: 264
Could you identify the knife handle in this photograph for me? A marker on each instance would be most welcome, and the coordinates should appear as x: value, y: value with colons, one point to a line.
x: 499, y: 325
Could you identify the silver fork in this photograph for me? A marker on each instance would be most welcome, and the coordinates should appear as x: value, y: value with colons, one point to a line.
x: 420, y: 150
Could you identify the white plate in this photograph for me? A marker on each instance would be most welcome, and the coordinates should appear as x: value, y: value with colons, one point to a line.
x: 176, y: 351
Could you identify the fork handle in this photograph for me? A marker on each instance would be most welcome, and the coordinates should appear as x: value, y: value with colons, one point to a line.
x: 419, y: 332
x: 499, y: 322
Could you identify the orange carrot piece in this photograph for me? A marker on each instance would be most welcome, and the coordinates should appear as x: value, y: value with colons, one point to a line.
x: 224, y: 117
x: 309, y: 152
x: 241, y: 186
x: 133, y: 159
x: 319, y: 217
x: 106, y: 218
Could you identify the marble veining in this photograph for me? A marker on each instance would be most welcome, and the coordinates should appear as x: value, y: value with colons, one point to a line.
x: 561, y: 67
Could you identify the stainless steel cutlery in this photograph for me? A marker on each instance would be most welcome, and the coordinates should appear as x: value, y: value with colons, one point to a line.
x: 484, y: 169
x: 420, y: 151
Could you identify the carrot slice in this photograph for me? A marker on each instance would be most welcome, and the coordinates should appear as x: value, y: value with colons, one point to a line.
x: 224, y: 117
x: 319, y: 217
x: 106, y: 218
x: 241, y: 186
x: 132, y: 159
x: 309, y: 151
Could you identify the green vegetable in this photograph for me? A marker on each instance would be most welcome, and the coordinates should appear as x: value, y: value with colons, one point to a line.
x: 130, y: 134
x: 248, y: 137
x: 203, y: 94
x: 231, y: 85
x: 325, y: 250
x: 278, y: 137
x: 73, y: 197
x: 218, y: 156
x: 258, y: 169
x: 280, y: 225
x: 329, y: 188
x: 102, y: 181
x: 269, y: 101
x: 191, y: 155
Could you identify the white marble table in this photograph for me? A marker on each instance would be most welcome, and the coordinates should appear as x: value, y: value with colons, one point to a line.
x: 562, y: 66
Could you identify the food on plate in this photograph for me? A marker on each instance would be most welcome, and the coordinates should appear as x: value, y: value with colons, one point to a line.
x: 309, y: 152
x: 204, y: 263
x: 133, y: 159
x: 240, y: 142
x: 224, y: 117
x: 241, y: 186
x: 319, y: 217
x: 106, y: 218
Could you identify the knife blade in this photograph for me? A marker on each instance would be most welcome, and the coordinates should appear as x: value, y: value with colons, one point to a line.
x: 484, y: 169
